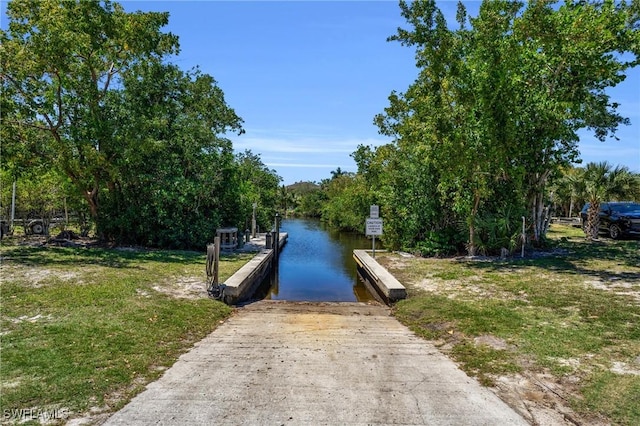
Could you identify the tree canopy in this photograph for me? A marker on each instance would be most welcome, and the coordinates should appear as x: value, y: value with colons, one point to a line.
x: 88, y: 91
x: 495, y: 110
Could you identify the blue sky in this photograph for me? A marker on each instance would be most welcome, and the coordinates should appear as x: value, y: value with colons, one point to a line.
x: 308, y: 77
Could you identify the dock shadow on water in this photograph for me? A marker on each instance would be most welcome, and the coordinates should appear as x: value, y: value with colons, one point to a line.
x: 316, y: 265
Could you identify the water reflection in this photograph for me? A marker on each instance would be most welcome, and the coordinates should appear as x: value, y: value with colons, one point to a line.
x: 317, y: 264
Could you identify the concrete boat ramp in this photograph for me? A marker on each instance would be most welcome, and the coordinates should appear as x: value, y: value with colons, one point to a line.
x: 281, y: 363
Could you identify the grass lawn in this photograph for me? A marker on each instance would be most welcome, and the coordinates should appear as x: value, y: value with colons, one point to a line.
x: 571, y: 315
x: 84, y: 329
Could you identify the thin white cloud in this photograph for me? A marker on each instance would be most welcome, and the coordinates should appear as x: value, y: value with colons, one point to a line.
x: 306, y: 165
x: 323, y: 145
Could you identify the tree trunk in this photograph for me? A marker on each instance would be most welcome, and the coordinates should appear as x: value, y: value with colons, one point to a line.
x: 593, y: 220
x: 539, y: 216
x: 471, y: 248
x: 92, y: 201
x: 571, y: 207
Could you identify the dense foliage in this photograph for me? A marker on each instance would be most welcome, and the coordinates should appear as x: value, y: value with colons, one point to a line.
x: 306, y: 199
x: 602, y: 181
x: 341, y: 201
x: 88, y: 95
x: 492, y: 118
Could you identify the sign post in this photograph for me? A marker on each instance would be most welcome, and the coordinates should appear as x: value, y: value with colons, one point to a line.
x: 374, y: 225
x: 374, y: 212
x: 373, y: 228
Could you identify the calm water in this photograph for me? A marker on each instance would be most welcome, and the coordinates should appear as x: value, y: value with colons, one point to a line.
x: 317, y: 264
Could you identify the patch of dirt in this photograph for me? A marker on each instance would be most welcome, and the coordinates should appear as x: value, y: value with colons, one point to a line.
x: 395, y: 262
x: 183, y: 288
x: 458, y: 288
x: 428, y: 285
x: 492, y: 342
x: 615, y: 286
x: 8, y: 384
x: 38, y: 277
x: 541, y: 400
x: 33, y: 319
x: 95, y: 416
x: 573, y: 363
x: 63, y: 239
x: 23, y: 319
x: 98, y: 415
x: 624, y: 368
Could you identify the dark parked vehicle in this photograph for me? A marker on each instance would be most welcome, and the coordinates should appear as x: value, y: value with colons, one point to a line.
x: 616, y: 218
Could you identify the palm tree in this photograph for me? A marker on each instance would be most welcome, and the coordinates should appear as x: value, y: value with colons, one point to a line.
x: 566, y: 191
x: 337, y: 173
x: 287, y: 200
x: 600, y: 182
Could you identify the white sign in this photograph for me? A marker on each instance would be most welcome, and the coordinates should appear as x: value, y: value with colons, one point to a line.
x: 374, y: 227
x: 374, y: 211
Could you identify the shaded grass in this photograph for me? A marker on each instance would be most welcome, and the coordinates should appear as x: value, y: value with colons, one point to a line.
x: 92, y: 330
x: 546, y: 308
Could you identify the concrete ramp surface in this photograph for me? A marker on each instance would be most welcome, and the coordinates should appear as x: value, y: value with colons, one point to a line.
x: 280, y: 363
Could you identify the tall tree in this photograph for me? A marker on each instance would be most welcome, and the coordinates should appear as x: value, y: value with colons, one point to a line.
x: 566, y: 193
x: 497, y: 103
x: 457, y: 109
x: 60, y: 61
x: 259, y: 185
x: 87, y: 90
x: 347, y: 202
x: 570, y: 56
x: 175, y: 177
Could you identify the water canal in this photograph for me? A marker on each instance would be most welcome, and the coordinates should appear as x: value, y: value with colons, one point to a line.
x: 317, y: 265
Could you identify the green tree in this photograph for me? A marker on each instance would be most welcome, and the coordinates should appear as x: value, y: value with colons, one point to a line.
x: 570, y: 55
x: 565, y: 192
x: 87, y: 91
x: 347, y: 203
x: 405, y: 186
x: 456, y: 110
x: 287, y: 200
x: 309, y: 198
x: 176, y: 180
x: 337, y: 173
x: 60, y: 60
x: 259, y: 185
x: 603, y: 182
x: 41, y: 193
x: 494, y: 111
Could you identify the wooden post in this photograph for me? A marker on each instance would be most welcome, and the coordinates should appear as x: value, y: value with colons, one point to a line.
x: 212, y: 267
x: 216, y: 259
x: 276, y: 244
x: 253, y: 221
